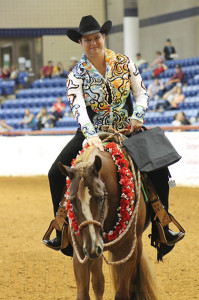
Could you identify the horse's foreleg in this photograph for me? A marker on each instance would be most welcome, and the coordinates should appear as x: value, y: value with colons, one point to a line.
x: 97, y: 279
x: 82, y: 276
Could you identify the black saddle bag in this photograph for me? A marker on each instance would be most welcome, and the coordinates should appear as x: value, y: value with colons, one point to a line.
x: 151, y: 150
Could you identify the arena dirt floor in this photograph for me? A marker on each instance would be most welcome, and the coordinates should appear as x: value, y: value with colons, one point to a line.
x: 31, y: 271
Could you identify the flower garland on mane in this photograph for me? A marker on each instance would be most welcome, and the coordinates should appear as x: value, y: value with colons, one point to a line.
x: 126, y: 207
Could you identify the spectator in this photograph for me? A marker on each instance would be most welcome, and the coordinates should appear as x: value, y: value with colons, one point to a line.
x: 155, y: 89
x: 139, y: 61
x: 58, y: 70
x: 29, y: 120
x: 14, y: 72
x: 172, y: 98
x: 4, y: 126
x: 169, y: 51
x: 47, y: 71
x: 177, y: 77
x: 5, y: 73
x: 58, y: 109
x: 158, y: 59
x: 180, y: 119
x: 44, y: 119
x: 73, y: 62
x: 161, y: 67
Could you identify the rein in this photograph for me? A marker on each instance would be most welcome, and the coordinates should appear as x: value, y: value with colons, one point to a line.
x: 132, y: 221
x: 88, y: 222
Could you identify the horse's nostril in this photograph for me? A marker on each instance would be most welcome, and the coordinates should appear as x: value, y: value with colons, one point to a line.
x: 98, y: 250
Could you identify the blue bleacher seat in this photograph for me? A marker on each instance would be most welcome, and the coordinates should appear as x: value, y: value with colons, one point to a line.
x: 43, y: 92
x: 8, y: 87
x: 22, y: 78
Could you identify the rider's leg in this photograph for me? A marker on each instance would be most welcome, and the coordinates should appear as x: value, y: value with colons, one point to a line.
x: 160, y: 180
x: 56, y: 179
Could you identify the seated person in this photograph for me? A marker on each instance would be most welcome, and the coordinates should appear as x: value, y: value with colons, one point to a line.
x: 14, y: 72
x: 4, y: 126
x: 172, y: 98
x: 58, y: 109
x: 178, y: 77
x: 180, y: 119
x: 161, y: 67
x: 44, y: 119
x: 139, y: 61
x: 29, y: 120
x: 5, y: 73
x: 155, y: 89
x: 58, y: 70
x: 47, y: 71
x: 159, y: 59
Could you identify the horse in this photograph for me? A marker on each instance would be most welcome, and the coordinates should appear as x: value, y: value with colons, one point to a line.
x: 95, y: 195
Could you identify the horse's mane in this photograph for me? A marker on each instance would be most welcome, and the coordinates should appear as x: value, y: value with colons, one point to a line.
x: 84, y: 156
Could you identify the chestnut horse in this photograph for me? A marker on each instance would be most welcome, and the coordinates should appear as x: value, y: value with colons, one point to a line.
x: 95, y: 194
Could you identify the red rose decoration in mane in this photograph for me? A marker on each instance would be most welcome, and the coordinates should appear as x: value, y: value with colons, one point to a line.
x: 127, y: 197
x: 125, y: 215
x: 124, y: 204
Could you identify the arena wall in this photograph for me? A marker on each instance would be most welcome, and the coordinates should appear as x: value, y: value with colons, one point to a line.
x: 34, y: 155
x: 158, y: 19
x: 177, y: 20
x: 39, y: 14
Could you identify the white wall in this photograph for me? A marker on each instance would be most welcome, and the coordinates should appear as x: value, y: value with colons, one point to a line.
x: 34, y: 155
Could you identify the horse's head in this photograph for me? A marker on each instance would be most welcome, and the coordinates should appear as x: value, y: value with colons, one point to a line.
x: 88, y: 197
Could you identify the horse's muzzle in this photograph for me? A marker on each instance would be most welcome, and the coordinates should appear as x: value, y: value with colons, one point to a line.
x: 93, y: 253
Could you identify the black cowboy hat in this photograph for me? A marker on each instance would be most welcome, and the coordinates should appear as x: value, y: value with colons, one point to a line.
x: 88, y: 25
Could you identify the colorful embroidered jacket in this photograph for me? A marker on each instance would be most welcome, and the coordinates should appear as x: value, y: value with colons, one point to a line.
x: 97, y: 101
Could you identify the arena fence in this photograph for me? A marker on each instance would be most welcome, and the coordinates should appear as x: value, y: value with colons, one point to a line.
x: 32, y: 153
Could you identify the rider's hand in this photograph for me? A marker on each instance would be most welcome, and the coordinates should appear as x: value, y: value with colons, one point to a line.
x: 95, y: 140
x: 135, y: 125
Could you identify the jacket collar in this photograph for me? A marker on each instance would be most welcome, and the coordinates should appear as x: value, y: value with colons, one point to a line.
x: 110, y: 58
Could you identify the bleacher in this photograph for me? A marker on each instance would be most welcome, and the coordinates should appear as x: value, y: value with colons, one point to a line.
x: 43, y: 92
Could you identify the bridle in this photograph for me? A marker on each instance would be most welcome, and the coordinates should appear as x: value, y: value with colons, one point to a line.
x: 94, y: 222
x: 86, y: 223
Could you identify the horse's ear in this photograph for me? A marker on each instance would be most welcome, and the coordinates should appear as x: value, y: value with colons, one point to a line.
x: 67, y: 171
x: 97, y: 164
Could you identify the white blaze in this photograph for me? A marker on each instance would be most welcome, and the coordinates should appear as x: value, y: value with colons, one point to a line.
x: 85, y: 201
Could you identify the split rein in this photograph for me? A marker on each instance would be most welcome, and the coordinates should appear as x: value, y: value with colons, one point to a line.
x: 132, y: 221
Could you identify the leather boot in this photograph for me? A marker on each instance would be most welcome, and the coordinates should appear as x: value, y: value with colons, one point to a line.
x: 54, y: 243
x: 173, y: 237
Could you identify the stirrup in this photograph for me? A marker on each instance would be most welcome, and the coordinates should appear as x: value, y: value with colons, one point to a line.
x: 59, y: 223
x: 161, y: 232
x: 162, y: 217
x: 64, y: 236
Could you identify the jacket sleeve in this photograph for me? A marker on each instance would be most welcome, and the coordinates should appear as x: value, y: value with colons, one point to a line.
x: 139, y: 92
x: 78, y: 105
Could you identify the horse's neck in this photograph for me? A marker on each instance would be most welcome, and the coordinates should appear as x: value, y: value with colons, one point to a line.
x: 109, y: 175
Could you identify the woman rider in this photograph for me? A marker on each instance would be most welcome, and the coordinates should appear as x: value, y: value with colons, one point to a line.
x: 98, y: 90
